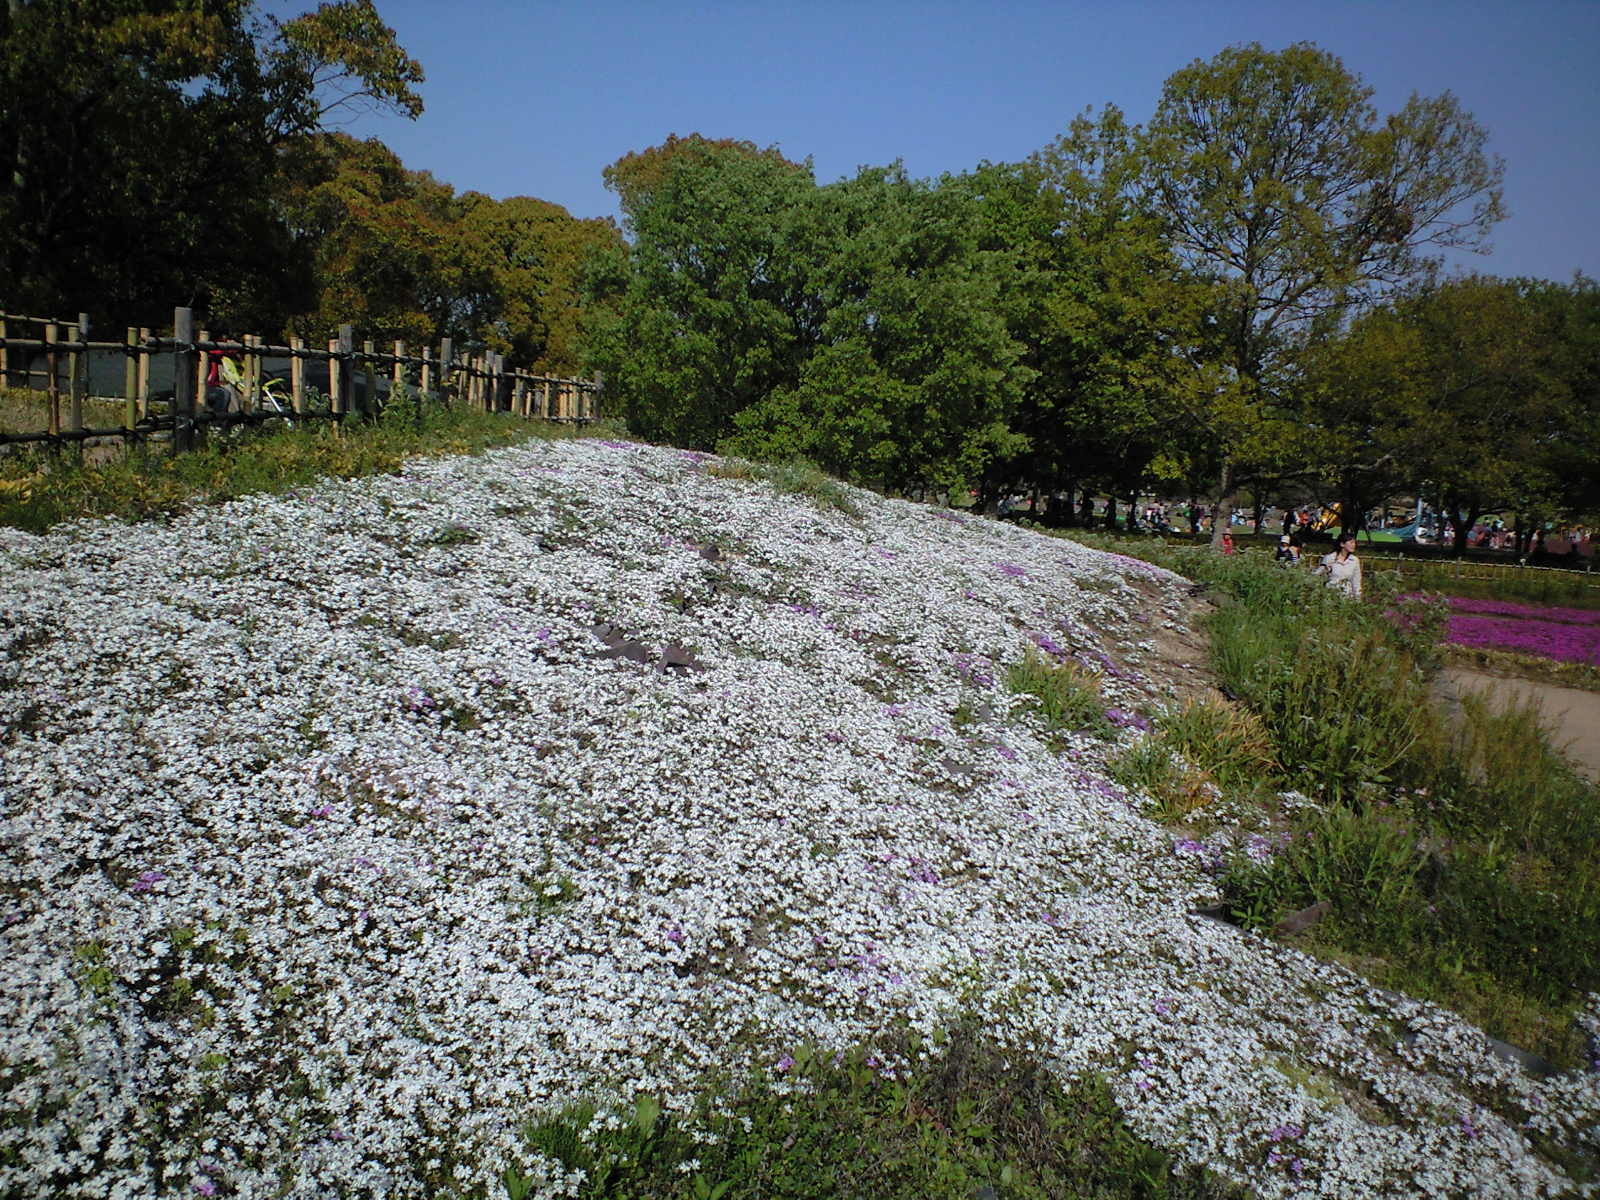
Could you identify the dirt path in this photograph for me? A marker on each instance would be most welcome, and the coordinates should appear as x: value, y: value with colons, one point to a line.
x: 1574, y: 713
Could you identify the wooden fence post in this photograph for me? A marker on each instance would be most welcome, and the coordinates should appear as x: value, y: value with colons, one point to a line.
x: 185, y: 364
x: 347, y: 373
x: 202, y: 372
x: 78, y: 376
x: 51, y: 388
x: 424, y: 378
x: 446, y: 349
x: 297, y: 375
x: 144, y: 372
x: 130, y: 380
x: 335, y: 379
x: 247, y: 373
x: 397, y: 379
x: 369, y: 406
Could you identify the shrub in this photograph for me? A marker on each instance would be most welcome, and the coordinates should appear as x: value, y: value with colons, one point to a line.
x: 960, y: 1119
x: 1065, y: 694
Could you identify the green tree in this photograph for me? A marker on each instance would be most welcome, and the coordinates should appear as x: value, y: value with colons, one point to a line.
x: 533, y: 252
x: 1117, y: 385
x: 139, y: 143
x: 383, y: 242
x: 1280, y: 186
x: 706, y: 312
x: 912, y: 376
x: 1455, y: 388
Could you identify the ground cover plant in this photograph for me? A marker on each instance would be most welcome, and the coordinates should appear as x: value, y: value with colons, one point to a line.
x: 1562, y: 634
x: 958, y: 1116
x: 1491, y: 582
x: 40, y: 488
x: 356, y: 834
x: 1453, y: 857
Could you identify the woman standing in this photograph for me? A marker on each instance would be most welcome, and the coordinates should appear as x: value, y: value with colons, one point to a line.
x: 1342, y: 567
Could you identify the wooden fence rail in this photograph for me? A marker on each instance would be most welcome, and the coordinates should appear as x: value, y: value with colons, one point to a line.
x: 479, y: 380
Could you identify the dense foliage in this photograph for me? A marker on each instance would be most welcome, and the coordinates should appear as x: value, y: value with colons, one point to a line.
x: 157, y: 153
x: 1233, y: 302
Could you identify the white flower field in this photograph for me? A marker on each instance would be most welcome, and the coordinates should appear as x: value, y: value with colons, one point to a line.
x: 346, y: 831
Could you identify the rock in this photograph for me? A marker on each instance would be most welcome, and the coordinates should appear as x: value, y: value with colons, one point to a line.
x: 1302, y: 920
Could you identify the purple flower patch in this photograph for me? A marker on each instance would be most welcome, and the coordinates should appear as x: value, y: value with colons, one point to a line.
x: 147, y: 881
x: 1011, y: 569
x: 1562, y: 641
x: 1504, y: 608
x: 1126, y: 720
x: 1049, y: 645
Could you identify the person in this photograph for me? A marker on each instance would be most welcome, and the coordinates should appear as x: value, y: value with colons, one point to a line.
x: 221, y: 396
x: 1342, y: 567
x: 1286, y: 550
x: 1227, y: 541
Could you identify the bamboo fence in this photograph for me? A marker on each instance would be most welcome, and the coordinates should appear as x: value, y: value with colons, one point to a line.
x: 480, y: 380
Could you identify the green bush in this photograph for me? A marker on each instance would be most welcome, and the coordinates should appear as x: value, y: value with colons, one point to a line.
x: 960, y: 1119
x: 1065, y: 694
x: 1458, y: 853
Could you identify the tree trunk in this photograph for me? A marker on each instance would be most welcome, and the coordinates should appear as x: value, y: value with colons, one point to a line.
x: 1222, y: 513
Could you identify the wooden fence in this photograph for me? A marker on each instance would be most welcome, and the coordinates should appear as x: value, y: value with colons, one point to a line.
x: 480, y: 380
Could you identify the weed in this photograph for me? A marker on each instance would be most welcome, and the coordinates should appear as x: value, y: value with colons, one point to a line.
x: 454, y: 535
x: 1065, y: 694
x: 797, y: 477
x: 1456, y: 851
x: 39, y: 489
x: 962, y: 1117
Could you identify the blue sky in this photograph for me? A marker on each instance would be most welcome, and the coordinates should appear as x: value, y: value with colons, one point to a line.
x: 536, y: 98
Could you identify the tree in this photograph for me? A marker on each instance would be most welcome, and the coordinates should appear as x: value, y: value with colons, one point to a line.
x: 1281, y: 187
x: 911, y: 376
x: 1455, y: 388
x: 383, y: 243
x: 533, y: 253
x: 139, y: 143
x: 706, y: 313
x: 1112, y: 405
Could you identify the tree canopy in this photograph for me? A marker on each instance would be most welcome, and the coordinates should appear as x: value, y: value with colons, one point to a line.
x: 1284, y: 193
x: 138, y: 145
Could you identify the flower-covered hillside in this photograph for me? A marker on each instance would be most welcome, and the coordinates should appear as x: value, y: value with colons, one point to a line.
x: 345, y: 831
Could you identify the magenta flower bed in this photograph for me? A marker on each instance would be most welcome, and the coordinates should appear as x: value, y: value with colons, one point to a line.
x: 1552, y: 639
x: 1572, y: 616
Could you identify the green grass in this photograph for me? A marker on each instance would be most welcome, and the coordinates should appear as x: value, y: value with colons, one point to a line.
x: 798, y: 477
x: 951, y: 1121
x: 39, y: 488
x: 1458, y: 852
x: 1066, y: 695
x: 1491, y: 581
x: 1197, y: 754
x: 25, y: 411
x: 1524, y: 666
